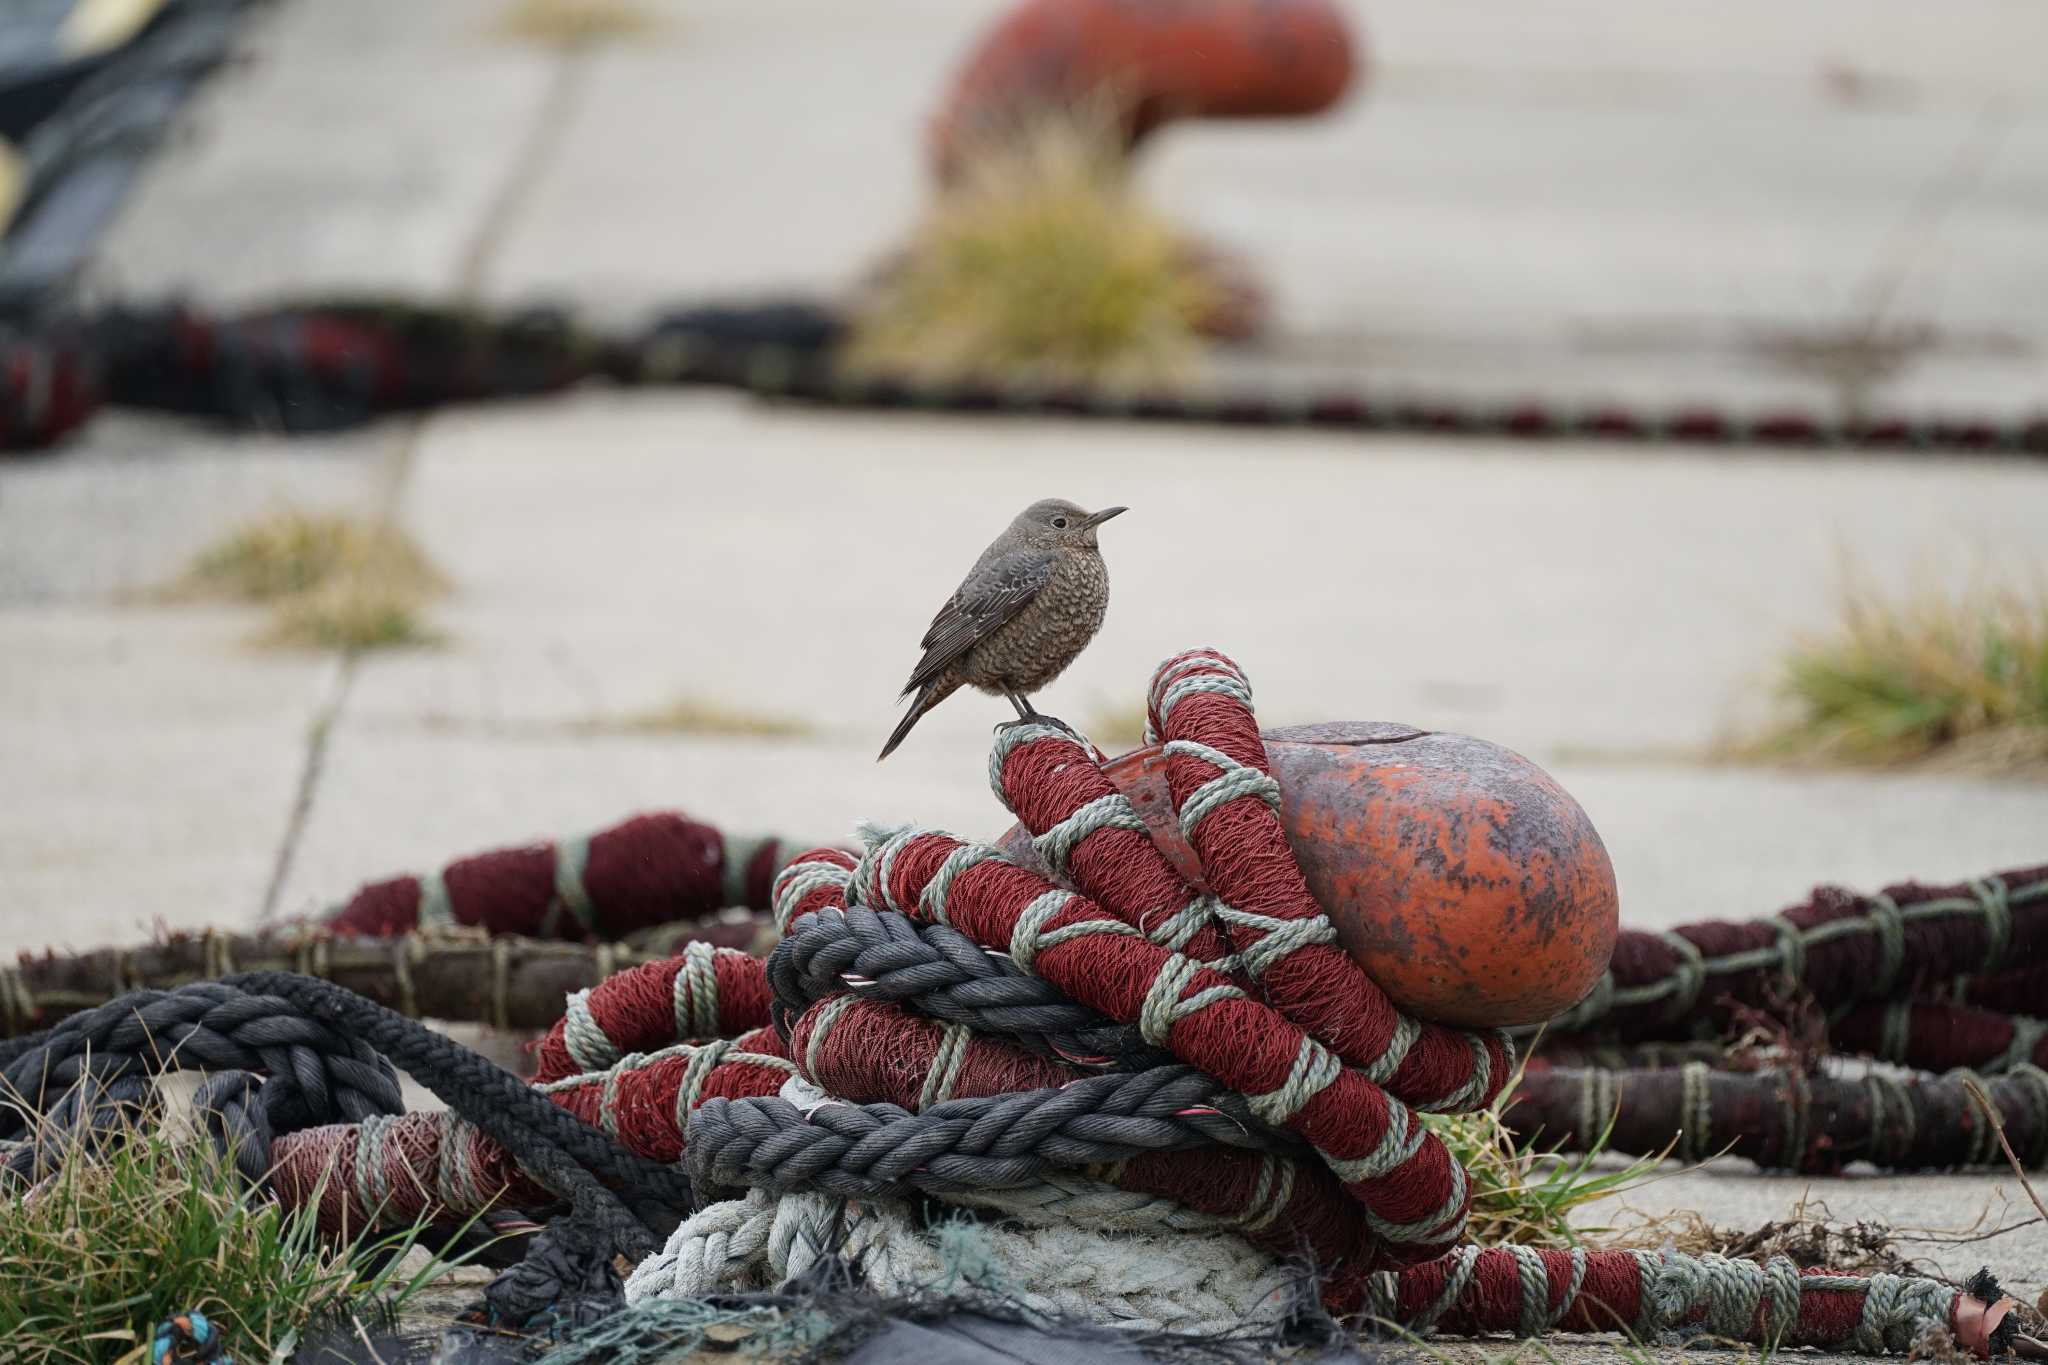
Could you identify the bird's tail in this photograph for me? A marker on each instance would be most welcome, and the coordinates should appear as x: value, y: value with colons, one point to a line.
x: 930, y: 695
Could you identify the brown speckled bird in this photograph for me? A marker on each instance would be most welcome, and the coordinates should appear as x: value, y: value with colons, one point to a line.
x: 1027, y: 608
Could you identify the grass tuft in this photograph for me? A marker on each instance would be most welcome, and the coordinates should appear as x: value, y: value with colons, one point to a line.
x: 332, y: 582
x: 356, y: 613
x: 574, y: 23
x: 1039, y: 267
x: 692, y: 715
x: 94, y: 1256
x: 291, y: 552
x: 1523, y: 1194
x: 1957, y: 678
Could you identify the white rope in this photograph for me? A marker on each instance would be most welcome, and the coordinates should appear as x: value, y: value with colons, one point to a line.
x: 1184, y: 1281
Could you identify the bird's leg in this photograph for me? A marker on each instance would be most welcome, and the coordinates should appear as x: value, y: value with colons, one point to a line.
x: 1027, y: 714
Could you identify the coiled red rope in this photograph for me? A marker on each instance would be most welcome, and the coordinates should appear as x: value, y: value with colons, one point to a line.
x: 652, y: 869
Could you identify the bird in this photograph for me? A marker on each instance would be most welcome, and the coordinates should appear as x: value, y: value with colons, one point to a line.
x: 1027, y: 608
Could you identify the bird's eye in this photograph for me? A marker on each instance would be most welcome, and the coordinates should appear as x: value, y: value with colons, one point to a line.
x: 1059, y: 523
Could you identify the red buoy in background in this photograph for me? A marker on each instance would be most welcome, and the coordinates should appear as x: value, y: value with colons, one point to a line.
x: 1156, y: 59
x: 1464, y: 880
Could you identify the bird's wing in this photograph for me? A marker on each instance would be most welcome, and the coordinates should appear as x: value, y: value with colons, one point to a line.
x: 994, y: 593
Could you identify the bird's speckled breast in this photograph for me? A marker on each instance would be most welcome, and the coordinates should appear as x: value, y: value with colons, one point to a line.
x: 1037, y: 644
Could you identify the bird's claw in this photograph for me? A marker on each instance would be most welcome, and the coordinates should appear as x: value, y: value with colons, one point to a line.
x: 1054, y: 721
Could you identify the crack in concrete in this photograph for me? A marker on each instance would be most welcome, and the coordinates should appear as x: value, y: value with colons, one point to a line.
x: 324, y: 717
x: 1908, y: 240
x: 536, y: 153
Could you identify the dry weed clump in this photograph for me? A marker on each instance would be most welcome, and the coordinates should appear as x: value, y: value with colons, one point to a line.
x: 331, y: 581
x: 1949, y: 679
x: 1040, y: 267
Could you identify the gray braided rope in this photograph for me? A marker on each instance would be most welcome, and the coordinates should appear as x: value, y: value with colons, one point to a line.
x: 1063, y: 1196
x: 963, y: 1145
x: 938, y: 971
x: 318, y: 1072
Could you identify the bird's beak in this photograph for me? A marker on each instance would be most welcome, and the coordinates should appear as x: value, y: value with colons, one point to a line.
x: 1096, y: 519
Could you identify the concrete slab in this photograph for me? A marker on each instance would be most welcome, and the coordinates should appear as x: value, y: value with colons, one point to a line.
x: 1976, y: 265
x: 125, y: 508
x: 1736, y: 843
x: 1752, y: 51
x: 359, y: 150
x: 617, y: 551
x: 738, y: 150
x: 1584, y: 204
x: 1641, y: 202
x: 157, y: 752
x: 1484, y: 218
x: 151, y: 761
x: 1591, y: 203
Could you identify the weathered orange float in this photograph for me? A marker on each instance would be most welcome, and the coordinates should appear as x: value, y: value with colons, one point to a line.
x: 1159, y: 59
x: 1469, y: 885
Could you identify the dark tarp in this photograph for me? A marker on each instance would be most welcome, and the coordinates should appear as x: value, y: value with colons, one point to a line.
x: 83, y: 122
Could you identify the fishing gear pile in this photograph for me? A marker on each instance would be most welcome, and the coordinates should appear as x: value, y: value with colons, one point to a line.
x: 1108, y: 1094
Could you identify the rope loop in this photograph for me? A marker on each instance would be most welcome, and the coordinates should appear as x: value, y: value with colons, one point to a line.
x: 796, y: 883
x: 1889, y: 921
x: 571, y: 856
x: 1997, y: 907
x: 1691, y: 976
x: 1791, y: 951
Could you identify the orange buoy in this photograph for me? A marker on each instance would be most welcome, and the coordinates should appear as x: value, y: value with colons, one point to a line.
x: 1464, y: 880
x: 1158, y: 59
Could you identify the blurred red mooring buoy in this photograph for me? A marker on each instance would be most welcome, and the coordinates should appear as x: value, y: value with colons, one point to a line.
x: 1469, y: 885
x: 1159, y: 59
